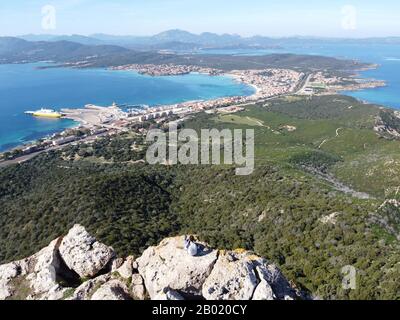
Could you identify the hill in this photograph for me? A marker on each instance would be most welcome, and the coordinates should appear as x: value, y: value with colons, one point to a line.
x: 14, y: 50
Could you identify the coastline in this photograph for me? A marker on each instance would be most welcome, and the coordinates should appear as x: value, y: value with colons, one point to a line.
x: 77, y: 124
x: 246, y: 77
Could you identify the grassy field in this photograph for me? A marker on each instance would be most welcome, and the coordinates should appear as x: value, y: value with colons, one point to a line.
x: 337, y: 125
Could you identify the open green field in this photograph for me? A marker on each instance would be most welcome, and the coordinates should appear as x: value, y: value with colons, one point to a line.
x: 335, y: 125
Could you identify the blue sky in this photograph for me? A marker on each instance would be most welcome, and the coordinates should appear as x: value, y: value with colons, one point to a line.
x: 333, y: 18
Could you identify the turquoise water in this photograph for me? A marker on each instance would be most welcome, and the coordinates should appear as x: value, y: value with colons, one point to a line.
x: 24, y: 87
x: 386, y: 55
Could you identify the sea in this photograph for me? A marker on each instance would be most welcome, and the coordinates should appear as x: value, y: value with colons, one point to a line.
x: 25, y: 87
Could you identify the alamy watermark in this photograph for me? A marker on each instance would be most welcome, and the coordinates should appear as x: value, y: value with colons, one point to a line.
x: 349, y: 17
x: 49, y: 17
x: 230, y: 147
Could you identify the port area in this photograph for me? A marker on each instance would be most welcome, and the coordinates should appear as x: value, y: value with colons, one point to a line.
x: 92, y: 115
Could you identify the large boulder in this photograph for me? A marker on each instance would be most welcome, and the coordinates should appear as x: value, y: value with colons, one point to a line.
x: 43, y: 279
x: 232, y: 278
x: 241, y: 275
x: 83, y: 254
x: 282, y: 289
x: 169, y: 265
x: 35, y: 277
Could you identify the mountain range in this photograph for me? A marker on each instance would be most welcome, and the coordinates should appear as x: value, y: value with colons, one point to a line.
x: 184, y: 40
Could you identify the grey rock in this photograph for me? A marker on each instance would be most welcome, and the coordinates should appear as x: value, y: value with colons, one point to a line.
x: 112, y: 290
x: 127, y: 268
x: 170, y: 266
x: 168, y: 294
x: 83, y: 254
x: 232, y: 278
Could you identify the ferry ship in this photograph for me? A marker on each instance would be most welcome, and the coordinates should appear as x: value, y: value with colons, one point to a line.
x: 45, y: 113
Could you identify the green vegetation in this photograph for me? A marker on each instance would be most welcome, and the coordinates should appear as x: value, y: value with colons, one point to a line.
x: 68, y: 293
x: 20, y: 285
x: 278, y: 211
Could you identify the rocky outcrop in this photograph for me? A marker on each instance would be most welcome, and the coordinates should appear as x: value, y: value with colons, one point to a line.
x: 387, y: 123
x: 34, y: 277
x: 83, y: 254
x: 77, y: 267
x: 244, y: 276
x: 170, y: 266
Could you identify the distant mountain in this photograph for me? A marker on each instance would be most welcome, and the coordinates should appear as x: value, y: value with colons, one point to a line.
x: 175, y: 35
x: 18, y: 50
x: 171, y: 39
x: 183, y: 40
x: 73, y: 38
x: 10, y: 45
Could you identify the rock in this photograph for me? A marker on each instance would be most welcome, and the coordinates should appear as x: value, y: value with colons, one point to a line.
x: 264, y: 290
x: 88, y: 288
x: 138, y: 292
x: 331, y: 218
x: 116, y: 264
x: 137, y: 279
x: 168, y: 294
x: 169, y: 265
x: 112, y: 290
x: 5, y: 290
x: 281, y: 287
x: 9, y: 271
x: 233, y: 278
x: 127, y: 268
x: 83, y: 254
x: 44, y: 278
x: 34, y: 277
x: 165, y: 272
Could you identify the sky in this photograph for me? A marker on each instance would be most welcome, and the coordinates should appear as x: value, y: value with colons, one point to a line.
x: 276, y: 18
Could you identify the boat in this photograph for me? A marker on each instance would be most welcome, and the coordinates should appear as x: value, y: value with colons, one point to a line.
x: 45, y: 113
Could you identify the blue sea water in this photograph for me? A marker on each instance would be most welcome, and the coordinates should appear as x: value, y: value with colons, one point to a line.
x: 387, y: 56
x: 25, y: 87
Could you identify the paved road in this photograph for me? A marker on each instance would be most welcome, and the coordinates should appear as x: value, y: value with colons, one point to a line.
x: 27, y: 157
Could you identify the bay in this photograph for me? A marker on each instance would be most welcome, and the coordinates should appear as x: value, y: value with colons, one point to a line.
x: 25, y: 87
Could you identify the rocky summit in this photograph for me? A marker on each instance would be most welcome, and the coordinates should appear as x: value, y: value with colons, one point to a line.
x: 78, y: 267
